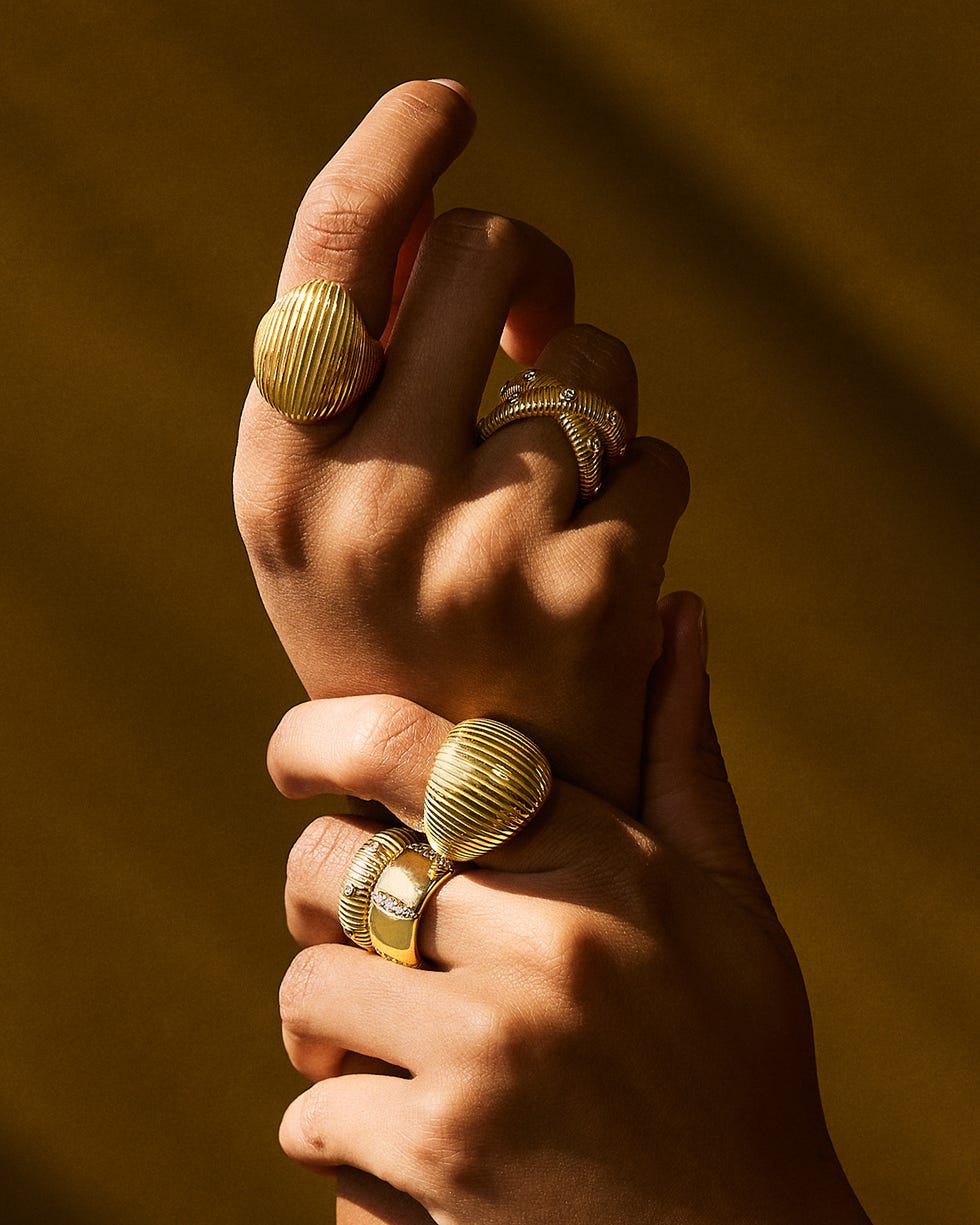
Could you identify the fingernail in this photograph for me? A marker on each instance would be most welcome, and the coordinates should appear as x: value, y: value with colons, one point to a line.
x: 703, y: 634
x: 455, y: 87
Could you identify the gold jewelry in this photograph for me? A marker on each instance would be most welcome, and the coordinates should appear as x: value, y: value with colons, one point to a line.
x: 487, y: 781
x: 367, y: 864
x: 398, y: 898
x: 594, y: 428
x: 313, y: 355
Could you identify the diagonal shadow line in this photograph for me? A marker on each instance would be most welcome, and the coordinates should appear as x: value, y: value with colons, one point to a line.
x: 718, y: 233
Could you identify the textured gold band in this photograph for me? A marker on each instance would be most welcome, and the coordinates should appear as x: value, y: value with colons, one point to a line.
x: 594, y: 428
x: 313, y: 355
x: 366, y: 865
x: 487, y: 781
x: 398, y: 898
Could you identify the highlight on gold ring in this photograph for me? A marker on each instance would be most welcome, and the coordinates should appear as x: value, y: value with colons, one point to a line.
x: 313, y: 355
x: 595, y: 429
x: 400, y: 895
x: 487, y: 781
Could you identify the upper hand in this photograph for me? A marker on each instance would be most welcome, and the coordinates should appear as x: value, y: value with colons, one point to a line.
x: 392, y: 553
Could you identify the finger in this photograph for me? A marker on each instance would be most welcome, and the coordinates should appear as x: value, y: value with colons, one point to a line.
x: 407, y: 256
x: 473, y: 271
x: 357, y: 212
x: 452, y: 930
x: 351, y: 225
x: 383, y: 748
x: 339, y: 1122
x: 688, y: 803
x: 635, y: 515
x: 335, y: 998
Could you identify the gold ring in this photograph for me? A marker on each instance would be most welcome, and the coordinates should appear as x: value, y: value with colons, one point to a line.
x: 313, y: 355
x: 366, y: 865
x: 487, y: 780
x: 398, y: 898
x: 595, y: 429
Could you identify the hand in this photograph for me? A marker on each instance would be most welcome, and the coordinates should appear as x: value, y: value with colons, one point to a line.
x: 395, y: 555
x: 615, y: 1027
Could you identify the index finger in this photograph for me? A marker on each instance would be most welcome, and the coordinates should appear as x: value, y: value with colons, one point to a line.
x: 350, y: 227
x: 360, y: 207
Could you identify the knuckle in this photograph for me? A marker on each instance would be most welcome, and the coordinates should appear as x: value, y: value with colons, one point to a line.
x: 601, y: 352
x: 470, y: 230
x: 320, y: 842
x: 387, y: 736
x: 339, y: 215
x: 668, y: 467
x: 273, y: 515
x: 297, y: 988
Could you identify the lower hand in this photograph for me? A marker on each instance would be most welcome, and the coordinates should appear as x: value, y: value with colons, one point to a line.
x: 615, y: 1027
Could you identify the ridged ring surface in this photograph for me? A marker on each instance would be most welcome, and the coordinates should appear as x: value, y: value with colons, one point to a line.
x: 533, y: 391
x: 487, y: 781
x: 313, y: 355
x: 366, y: 865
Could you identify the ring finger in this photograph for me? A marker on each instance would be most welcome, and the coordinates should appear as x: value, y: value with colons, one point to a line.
x: 452, y: 931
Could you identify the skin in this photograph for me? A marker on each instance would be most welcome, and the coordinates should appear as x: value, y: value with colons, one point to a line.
x: 395, y: 557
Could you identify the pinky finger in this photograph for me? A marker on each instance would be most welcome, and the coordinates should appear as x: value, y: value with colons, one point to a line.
x: 358, y: 1120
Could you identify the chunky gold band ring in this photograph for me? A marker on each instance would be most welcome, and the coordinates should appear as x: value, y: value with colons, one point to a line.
x: 398, y: 898
x: 313, y: 355
x: 487, y: 781
x: 367, y: 864
x: 595, y: 429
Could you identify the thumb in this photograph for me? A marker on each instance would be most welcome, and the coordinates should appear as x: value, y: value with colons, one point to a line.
x: 687, y: 801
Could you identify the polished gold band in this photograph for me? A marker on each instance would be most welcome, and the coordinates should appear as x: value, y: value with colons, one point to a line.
x: 366, y: 865
x: 399, y: 896
x: 595, y: 429
x: 488, y: 779
x: 313, y: 355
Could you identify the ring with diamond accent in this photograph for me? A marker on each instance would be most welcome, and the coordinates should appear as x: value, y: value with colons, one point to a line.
x: 400, y: 894
x: 487, y: 781
x: 595, y: 429
x: 366, y: 865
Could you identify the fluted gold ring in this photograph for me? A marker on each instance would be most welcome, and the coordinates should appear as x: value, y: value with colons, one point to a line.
x: 400, y: 894
x: 487, y: 781
x: 595, y: 429
x: 313, y: 354
x: 366, y: 865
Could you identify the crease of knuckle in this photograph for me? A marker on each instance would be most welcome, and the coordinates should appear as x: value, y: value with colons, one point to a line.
x: 302, y: 984
x: 600, y: 351
x: 385, y: 740
x: 312, y: 1122
x: 320, y: 843
x: 339, y: 217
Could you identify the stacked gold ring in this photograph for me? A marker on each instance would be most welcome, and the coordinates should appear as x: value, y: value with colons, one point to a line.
x: 366, y: 866
x: 399, y: 896
x: 313, y: 354
x: 487, y: 781
x: 595, y: 429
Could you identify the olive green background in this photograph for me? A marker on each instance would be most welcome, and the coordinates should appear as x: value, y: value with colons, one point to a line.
x: 776, y: 206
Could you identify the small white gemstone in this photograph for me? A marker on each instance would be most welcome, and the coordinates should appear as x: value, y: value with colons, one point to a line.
x: 348, y: 890
x: 567, y: 393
